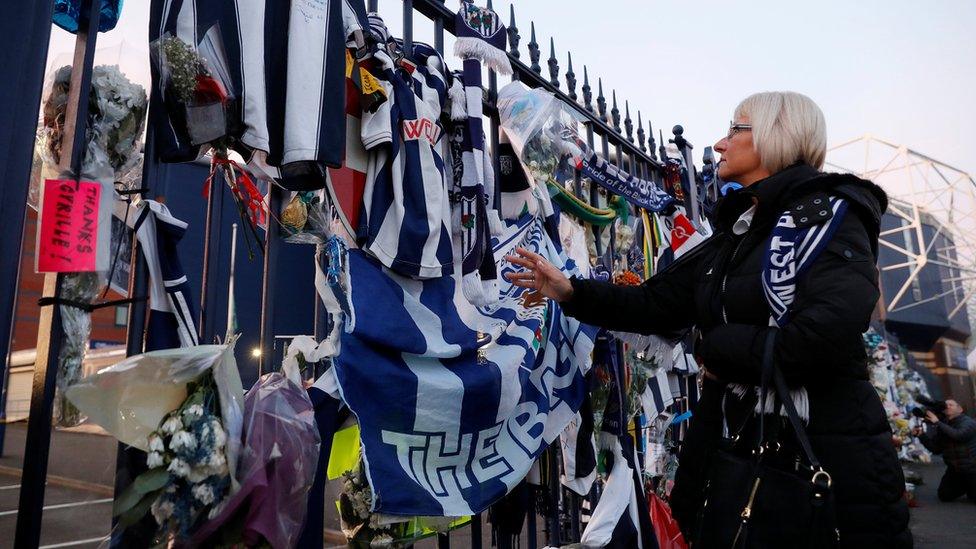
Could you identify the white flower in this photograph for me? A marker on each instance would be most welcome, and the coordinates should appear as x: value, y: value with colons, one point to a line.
x: 217, y: 463
x: 179, y: 467
x: 220, y: 437
x: 204, y: 493
x: 162, y: 510
x: 198, y: 474
x: 171, y: 425
x: 216, y: 510
x: 182, y: 439
x: 155, y: 459
x: 156, y: 443
x: 194, y: 411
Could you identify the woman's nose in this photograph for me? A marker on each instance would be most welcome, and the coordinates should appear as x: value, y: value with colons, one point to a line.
x: 719, y: 146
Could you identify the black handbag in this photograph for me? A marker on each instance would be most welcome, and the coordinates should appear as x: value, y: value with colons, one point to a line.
x: 750, y: 502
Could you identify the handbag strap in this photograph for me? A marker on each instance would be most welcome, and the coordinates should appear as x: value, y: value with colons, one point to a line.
x: 764, y: 378
x: 785, y: 399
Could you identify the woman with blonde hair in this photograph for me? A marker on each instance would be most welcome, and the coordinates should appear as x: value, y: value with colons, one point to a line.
x: 775, y: 149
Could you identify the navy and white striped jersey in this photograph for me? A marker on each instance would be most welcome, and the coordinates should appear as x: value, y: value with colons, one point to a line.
x: 406, y: 204
x: 296, y: 119
x: 172, y: 312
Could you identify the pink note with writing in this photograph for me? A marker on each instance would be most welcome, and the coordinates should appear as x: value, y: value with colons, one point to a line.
x: 68, y: 234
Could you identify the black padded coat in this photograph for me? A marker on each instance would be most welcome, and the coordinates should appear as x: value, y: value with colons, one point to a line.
x: 717, y: 288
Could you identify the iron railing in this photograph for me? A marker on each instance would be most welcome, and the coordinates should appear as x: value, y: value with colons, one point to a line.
x: 635, y: 152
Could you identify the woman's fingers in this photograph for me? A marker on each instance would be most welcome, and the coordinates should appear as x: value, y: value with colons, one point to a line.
x: 530, y: 255
x: 527, y: 263
x: 530, y: 284
x: 525, y: 275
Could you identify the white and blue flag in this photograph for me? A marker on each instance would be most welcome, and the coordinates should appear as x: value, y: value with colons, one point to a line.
x: 456, y: 402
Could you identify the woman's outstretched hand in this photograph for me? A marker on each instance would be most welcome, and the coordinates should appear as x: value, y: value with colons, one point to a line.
x: 541, y: 275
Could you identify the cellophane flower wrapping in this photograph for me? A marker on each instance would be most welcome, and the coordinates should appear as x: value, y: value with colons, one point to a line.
x: 195, y: 84
x: 305, y: 217
x: 131, y: 398
x: 116, y: 117
x: 542, y: 129
x: 184, y: 408
x: 277, y: 467
x: 76, y: 324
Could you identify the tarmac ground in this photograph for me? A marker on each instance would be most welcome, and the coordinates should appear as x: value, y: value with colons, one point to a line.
x: 78, y: 499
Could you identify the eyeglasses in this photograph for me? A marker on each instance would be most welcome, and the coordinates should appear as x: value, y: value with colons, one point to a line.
x: 736, y: 128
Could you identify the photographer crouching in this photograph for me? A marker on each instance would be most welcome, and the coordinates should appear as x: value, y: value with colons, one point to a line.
x: 955, y: 438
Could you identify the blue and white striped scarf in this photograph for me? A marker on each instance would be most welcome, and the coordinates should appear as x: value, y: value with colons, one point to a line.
x: 790, y: 254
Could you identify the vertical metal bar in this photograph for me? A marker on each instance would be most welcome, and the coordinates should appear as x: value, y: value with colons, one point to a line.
x: 443, y: 538
x: 26, y: 49
x: 493, y: 135
x: 439, y: 33
x: 594, y: 193
x: 408, y: 27
x: 50, y: 330
x: 575, y: 501
x: 552, y: 483
x: 269, y: 280
x: 595, y: 196
x: 476, y: 531
x: 530, y: 520
x: 211, y: 246
x: 131, y: 462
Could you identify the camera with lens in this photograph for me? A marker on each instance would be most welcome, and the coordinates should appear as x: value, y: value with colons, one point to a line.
x: 937, y: 407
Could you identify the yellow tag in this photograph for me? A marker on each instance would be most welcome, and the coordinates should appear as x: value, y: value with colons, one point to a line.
x: 370, y: 83
x: 345, y: 452
x: 349, y: 64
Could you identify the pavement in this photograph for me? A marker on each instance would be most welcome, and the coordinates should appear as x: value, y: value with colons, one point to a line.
x: 946, y: 525
x: 81, y: 471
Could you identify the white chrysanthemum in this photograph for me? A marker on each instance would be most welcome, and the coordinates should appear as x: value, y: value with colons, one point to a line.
x: 217, y: 463
x: 204, y: 493
x: 182, y: 439
x: 154, y: 459
x: 179, y: 467
x: 198, y: 474
x: 171, y: 425
x: 220, y: 437
x: 156, y: 443
x: 194, y: 411
x: 216, y: 510
x: 162, y: 510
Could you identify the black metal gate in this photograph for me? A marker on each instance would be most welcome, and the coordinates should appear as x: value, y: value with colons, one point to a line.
x: 635, y: 152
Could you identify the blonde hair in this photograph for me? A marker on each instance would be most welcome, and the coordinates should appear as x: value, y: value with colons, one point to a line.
x: 787, y: 127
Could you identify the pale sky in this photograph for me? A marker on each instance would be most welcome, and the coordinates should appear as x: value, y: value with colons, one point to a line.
x: 903, y: 71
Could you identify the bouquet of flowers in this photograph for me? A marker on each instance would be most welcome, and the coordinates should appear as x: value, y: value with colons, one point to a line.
x: 304, y: 218
x: 194, y: 79
x: 188, y: 476
x: 363, y: 528
x: 116, y: 115
x: 277, y: 468
x: 184, y: 407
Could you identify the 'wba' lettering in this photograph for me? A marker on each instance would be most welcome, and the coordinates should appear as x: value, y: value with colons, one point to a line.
x: 421, y: 128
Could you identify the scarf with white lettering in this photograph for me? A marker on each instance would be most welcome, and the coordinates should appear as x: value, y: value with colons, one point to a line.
x: 792, y: 251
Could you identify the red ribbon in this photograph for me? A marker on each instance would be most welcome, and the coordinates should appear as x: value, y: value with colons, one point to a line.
x: 243, y: 187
